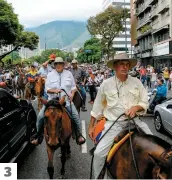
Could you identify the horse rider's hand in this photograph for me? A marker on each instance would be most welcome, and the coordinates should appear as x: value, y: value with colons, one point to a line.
x: 83, y: 84
x: 131, y: 112
x: 91, y: 132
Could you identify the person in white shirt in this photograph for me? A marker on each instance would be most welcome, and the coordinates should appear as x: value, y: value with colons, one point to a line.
x: 153, y: 79
x: 117, y: 95
x: 43, y: 71
x: 56, y: 80
x: 8, y: 75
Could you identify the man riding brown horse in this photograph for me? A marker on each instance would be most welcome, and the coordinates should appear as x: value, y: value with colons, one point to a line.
x: 32, y: 76
x: 117, y: 95
x: 56, y: 80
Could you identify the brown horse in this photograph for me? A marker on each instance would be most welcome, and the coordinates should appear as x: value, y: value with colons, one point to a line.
x: 57, y: 132
x: 152, y: 158
x: 38, y: 90
x: 20, y: 84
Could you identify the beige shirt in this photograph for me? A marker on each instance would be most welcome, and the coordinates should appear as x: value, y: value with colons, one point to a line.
x: 115, y: 97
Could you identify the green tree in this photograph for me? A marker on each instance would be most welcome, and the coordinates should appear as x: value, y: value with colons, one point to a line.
x: 13, y: 57
x: 11, y: 31
x: 38, y: 59
x: 46, y: 54
x: 108, y: 25
x: 9, y: 24
x: 95, y: 51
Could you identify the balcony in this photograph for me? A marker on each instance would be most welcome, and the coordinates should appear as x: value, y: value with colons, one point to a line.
x: 161, y: 23
x: 143, y: 7
x: 154, y: 12
x: 163, y: 4
x: 144, y: 21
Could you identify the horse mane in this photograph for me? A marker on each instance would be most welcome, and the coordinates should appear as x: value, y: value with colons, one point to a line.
x: 54, y: 103
x: 158, y: 140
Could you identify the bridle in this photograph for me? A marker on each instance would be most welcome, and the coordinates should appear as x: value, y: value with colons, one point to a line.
x: 165, y: 155
x: 59, y: 131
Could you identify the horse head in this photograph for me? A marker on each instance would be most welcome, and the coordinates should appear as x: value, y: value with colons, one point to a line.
x: 163, y: 165
x: 53, y: 124
x: 39, y: 84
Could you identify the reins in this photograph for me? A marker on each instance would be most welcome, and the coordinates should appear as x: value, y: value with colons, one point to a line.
x: 92, y: 150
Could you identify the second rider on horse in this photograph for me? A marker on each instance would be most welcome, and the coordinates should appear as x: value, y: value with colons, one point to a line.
x: 117, y: 95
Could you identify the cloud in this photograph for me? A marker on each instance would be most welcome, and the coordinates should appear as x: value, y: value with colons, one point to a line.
x: 35, y: 12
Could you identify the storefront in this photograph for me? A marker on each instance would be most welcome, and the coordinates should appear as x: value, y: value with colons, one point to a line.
x: 162, y: 54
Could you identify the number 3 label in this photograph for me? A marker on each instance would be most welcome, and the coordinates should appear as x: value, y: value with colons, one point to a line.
x: 8, y: 171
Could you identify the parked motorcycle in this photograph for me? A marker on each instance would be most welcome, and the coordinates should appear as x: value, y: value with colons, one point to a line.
x: 151, y: 97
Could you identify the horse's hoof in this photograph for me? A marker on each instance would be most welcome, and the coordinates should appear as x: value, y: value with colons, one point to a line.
x: 62, y: 177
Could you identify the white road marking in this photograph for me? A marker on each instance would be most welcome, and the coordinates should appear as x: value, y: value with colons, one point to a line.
x: 84, y: 146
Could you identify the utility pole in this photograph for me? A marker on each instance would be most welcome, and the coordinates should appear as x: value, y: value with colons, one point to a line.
x: 125, y: 28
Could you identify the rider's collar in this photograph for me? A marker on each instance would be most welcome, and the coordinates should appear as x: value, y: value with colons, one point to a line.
x: 119, y: 81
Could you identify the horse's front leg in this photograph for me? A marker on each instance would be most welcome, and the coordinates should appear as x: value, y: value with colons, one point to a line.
x: 68, y: 155
x: 50, y: 168
x: 39, y: 102
x: 63, y: 160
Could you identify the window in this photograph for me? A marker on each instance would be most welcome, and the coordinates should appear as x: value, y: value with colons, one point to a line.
x: 7, y: 104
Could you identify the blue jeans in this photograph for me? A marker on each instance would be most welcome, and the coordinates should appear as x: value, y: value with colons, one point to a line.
x: 143, y: 79
x: 45, y: 95
x: 83, y: 93
x: 74, y: 115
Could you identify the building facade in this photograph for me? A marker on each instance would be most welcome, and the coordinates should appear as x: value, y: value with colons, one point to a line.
x: 5, y: 49
x: 123, y: 40
x: 154, y: 32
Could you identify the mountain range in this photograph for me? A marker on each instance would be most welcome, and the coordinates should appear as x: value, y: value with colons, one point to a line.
x: 62, y: 34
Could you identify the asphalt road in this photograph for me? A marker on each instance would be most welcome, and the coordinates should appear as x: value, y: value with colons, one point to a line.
x: 78, y: 166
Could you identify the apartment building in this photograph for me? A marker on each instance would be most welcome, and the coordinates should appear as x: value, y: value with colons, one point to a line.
x: 154, y: 32
x: 123, y: 41
x: 5, y: 49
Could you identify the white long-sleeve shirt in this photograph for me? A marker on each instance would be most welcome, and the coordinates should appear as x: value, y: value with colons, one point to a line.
x: 108, y: 104
x: 62, y: 80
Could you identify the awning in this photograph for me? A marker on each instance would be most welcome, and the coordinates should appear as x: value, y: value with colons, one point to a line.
x: 164, y: 27
x: 169, y: 56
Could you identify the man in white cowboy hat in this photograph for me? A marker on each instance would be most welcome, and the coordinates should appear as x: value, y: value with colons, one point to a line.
x: 56, y: 80
x: 117, y: 95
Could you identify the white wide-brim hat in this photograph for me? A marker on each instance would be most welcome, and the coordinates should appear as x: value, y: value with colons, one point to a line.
x: 58, y: 60
x: 121, y: 57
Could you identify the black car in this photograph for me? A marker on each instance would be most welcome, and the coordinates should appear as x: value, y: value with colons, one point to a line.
x: 17, y: 125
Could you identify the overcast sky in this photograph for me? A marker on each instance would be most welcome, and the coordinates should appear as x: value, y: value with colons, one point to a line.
x: 35, y: 12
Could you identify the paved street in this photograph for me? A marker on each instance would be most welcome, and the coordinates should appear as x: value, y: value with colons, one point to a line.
x: 78, y: 166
